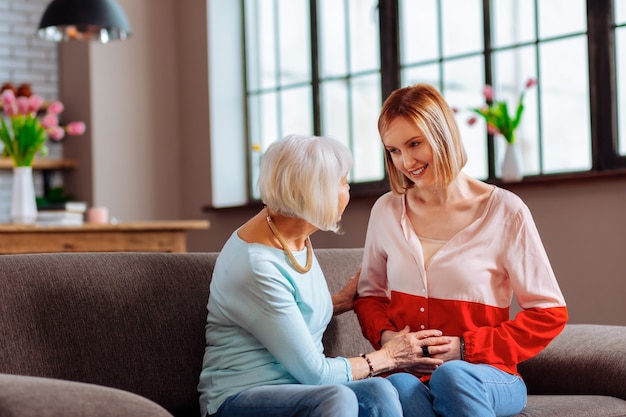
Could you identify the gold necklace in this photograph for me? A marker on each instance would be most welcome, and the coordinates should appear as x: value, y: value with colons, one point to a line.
x: 292, y: 259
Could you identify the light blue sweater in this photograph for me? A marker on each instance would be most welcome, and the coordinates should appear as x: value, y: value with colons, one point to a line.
x: 265, y: 324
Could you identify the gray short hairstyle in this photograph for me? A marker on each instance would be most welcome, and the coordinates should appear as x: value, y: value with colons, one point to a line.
x: 300, y: 177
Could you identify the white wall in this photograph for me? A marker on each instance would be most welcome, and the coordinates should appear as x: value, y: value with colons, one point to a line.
x: 128, y: 93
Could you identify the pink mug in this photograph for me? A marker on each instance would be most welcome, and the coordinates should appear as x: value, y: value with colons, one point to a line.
x: 98, y: 215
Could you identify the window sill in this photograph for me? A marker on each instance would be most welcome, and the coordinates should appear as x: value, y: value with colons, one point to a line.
x: 568, y: 178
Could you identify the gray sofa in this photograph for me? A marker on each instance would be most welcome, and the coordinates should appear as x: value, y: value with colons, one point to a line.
x: 122, y: 334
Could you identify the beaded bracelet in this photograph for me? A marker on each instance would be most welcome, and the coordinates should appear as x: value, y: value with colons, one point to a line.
x: 369, y: 363
x: 462, y: 347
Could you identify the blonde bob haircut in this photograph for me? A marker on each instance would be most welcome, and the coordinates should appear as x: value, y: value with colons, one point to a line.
x: 300, y: 177
x: 424, y: 106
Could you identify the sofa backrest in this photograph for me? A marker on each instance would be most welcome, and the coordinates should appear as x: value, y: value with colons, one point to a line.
x: 343, y: 336
x: 133, y: 321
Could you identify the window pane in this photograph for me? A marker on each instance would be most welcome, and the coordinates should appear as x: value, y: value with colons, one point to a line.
x: 364, y: 35
x: 366, y: 145
x: 262, y: 131
x: 513, y: 22
x: 254, y: 120
x: 296, y: 113
x: 462, y: 89
x: 462, y: 26
x: 332, y: 38
x: 344, y: 51
x: 565, y: 106
x: 419, y: 25
x: 422, y: 74
x: 260, y: 45
x: 561, y: 17
x: 295, y: 41
x: 262, y: 119
x: 334, y: 104
x: 620, y: 11
x: 513, y: 68
x: 621, y: 86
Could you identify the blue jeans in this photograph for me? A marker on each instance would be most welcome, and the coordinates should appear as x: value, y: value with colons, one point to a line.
x: 373, y: 397
x: 461, y: 389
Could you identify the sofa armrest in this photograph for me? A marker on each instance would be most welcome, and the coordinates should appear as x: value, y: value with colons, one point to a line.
x: 583, y: 359
x: 22, y: 396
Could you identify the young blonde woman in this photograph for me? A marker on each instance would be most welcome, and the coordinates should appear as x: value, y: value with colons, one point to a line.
x: 269, y: 304
x: 446, y: 251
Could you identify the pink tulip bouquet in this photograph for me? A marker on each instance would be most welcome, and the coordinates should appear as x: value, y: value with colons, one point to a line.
x: 28, y: 133
x: 496, y: 113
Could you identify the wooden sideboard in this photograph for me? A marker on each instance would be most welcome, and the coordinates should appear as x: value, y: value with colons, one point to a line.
x: 147, y: 236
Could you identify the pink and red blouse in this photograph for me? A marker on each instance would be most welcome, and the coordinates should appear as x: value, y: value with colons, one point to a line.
x: 467, y: 286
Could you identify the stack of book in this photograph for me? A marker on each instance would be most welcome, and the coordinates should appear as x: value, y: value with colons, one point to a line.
x: 70, y: 213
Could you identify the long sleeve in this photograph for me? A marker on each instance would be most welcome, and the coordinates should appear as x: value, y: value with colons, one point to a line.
x: 534, y: 285
x: 468, y: 285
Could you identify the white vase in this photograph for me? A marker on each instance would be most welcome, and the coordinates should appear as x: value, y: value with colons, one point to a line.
x: 23, y: 204
x: 512, y: 164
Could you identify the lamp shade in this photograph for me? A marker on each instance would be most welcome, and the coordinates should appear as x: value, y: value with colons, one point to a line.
x: 100, y: 20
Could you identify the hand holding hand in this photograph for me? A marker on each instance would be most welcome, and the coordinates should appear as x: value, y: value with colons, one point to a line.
x: 407, y: 349
x: 453, y: 353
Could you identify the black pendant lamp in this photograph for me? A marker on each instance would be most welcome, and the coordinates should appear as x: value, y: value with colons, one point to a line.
x: 98, y: 20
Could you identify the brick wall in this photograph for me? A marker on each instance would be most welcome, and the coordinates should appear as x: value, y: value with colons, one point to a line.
x: 24, y: 58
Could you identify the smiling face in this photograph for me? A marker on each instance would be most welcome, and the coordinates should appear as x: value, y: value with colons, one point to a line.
x: 419, y: 113
x: 410, y: 152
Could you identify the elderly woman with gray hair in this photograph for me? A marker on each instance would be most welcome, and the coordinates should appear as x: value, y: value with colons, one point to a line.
x: 269, y: 304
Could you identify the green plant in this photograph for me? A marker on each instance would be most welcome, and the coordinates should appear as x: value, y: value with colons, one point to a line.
x: 55, y: 195
x: 496, y: 113
x: 29, y: 137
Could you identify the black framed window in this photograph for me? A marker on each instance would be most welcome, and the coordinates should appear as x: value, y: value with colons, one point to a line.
x: 324, y: 67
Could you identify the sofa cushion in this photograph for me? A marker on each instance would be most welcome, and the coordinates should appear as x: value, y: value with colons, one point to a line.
x: 23, y: 396
x: 573, y: 406
x: 584, y: 359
